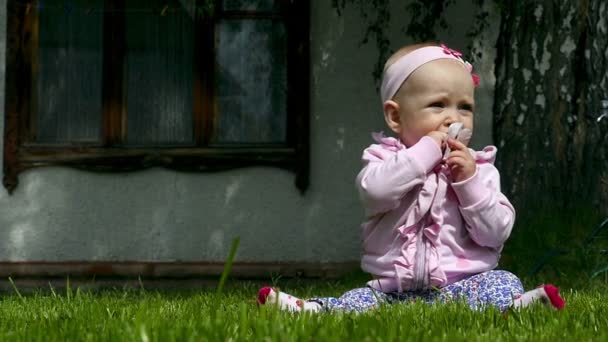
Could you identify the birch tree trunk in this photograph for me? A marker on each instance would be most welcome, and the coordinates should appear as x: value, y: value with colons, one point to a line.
x: 552, y: 73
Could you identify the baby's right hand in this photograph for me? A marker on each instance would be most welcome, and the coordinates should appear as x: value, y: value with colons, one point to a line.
x: 439, y: 137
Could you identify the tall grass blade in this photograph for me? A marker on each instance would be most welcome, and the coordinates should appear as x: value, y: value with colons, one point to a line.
x: 228, y: 264
x: 68, y: 290
x: 52, y: 290
x: 141, y: 284
x: 598, y: 272
x: 15, y: 287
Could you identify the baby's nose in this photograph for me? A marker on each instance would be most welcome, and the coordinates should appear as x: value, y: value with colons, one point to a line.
x: 451, y: 116
x: 453, y: 113
x: 450, y: 120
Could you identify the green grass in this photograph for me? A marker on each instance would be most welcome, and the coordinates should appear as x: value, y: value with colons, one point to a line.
x: 209, y: 315
x: 539, y: 233
x: 229, y: 312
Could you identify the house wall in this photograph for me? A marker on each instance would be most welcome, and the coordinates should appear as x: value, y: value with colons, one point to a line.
x: 61, y: 214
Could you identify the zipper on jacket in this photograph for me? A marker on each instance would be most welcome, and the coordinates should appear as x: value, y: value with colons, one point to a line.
x: 420, y: 271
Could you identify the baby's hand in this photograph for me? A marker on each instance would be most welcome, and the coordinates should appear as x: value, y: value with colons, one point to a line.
x: 438, y: 137
x: 460, y: 161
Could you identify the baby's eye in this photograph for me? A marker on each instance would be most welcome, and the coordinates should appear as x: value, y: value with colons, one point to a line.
x: 466, y: 108
x: 436, y: 104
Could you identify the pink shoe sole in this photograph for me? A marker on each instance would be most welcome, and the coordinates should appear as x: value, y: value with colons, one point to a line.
x: 263, y: 294
x: 553, y: 293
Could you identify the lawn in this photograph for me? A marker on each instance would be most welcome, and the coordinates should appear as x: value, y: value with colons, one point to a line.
x: 206, y: 315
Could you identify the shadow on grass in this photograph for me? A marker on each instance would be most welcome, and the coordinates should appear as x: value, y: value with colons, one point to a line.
x: 568, y: 247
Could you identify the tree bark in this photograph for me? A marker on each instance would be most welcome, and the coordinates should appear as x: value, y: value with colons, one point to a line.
x: 551, y: 75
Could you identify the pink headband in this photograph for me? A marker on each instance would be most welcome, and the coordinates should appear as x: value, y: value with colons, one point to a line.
x: 397, y: 73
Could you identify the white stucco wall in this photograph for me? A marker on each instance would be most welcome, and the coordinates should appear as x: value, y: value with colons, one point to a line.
x: 60, y: 214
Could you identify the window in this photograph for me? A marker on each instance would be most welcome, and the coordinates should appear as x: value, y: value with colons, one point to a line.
x: 198, y: 85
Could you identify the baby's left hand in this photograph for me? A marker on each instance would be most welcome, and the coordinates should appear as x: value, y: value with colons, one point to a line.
x: 460, y: 161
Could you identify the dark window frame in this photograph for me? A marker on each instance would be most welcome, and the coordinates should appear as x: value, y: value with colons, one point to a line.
x: 20, y: 97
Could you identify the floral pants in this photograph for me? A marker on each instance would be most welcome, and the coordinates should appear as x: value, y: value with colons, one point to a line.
x: 495, y: 288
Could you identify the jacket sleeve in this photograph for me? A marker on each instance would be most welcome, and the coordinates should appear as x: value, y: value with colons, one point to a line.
x: 488, y: 214
x: 388, y: 175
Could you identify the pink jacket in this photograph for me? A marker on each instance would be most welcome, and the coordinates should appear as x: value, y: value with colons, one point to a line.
x: 422, y: 230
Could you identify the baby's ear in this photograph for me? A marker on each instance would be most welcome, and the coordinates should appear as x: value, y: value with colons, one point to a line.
x: 391, y: 116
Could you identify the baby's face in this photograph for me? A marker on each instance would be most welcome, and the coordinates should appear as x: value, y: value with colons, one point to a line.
x: 434, y: 96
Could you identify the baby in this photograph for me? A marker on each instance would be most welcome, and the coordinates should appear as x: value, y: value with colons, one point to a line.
x: 436, y: 220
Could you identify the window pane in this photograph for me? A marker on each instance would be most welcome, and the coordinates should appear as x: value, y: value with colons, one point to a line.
x: 69, y: 71
x: 159, y: 73
x: 252, y: 81
x: 250, y: 5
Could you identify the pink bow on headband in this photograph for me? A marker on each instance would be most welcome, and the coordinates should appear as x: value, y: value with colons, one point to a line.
x: 449, y: 51
x: 458, y: 55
